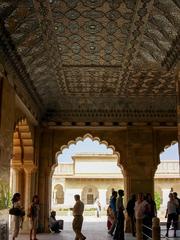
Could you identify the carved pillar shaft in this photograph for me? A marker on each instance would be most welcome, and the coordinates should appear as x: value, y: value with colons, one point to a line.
x: 178, y: 107
x: 140, y: 166
x: 16, y: 180
x: 28, y: 192
x: 102, y: 197
x: 135, y: 184
x: 27, y: 189
x: 28, y: 170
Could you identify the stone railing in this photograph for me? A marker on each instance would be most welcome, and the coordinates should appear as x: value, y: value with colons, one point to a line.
x: 168, y: 167
x: 165, y: 167
x: 64, y: 169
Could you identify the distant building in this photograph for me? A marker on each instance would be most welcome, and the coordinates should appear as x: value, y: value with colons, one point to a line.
x: 94, y: 175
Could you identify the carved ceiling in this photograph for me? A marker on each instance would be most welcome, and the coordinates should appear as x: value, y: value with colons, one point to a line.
x: 88, y: 56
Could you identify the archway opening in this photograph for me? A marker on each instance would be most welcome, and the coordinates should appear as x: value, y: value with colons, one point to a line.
x: 88, y: 167
x: 167, y: 178
x: 23, y: 166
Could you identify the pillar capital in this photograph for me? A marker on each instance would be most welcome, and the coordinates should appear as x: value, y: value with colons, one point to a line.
x: 17, y: 165
x: 29, y: 167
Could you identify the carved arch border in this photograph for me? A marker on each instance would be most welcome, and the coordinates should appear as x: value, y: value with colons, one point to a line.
x: 88, y: 135
x: 166, y: 146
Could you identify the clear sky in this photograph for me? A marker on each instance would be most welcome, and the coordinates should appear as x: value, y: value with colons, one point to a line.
x: 170, y: 153
x: 89, y: 146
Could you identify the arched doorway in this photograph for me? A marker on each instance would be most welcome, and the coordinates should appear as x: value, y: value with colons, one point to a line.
x: 86, y: 166
x: 89, y: 195
x: 58, y: 194
x: 23, y: 165
x: 166, y: 178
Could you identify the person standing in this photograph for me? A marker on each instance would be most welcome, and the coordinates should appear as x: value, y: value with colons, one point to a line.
x: 78, y: 210
x: 112, y: 205
x: 130, y: 211
x: 16, y: 202
x: 178, y: 199
x: 119, y: 232
x: 141, y: 210
x: 171, y: 213
x: 98, y: 207
x: 33, y: 216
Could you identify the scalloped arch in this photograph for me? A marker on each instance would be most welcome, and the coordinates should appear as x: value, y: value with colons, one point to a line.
x: 88, y: 135
x: 169, y: 145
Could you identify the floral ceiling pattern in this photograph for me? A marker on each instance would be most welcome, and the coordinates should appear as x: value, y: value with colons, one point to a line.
x: 94, y: 50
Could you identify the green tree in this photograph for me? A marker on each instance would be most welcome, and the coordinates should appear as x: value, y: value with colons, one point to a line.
x: 157, y: 198
x: 5, y: 195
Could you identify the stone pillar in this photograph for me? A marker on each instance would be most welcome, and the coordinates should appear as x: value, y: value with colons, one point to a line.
x: 165, y: 195
x: 27, y: 193
x: 7, y: 116
x: 140, y: 163
x: 102, y: 197
x: 178, y: 105
x: 137, y: 183
x: 16, y: 179
x: 28, y: 169
x: 54, y: 196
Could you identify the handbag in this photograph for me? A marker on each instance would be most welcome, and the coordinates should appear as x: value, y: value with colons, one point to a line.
x: 16, y: 211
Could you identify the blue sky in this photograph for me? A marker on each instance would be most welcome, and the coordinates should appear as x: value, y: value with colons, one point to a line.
x: 170, y: 153
x: 89, y: 146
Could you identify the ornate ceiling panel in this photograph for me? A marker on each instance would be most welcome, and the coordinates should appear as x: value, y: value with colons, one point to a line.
x: 76, y: 50
x: 92, y: 32
x: 99, y: 81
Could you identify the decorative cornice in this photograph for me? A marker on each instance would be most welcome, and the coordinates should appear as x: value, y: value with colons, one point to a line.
x: 108, y: 125
x: 116, y: 116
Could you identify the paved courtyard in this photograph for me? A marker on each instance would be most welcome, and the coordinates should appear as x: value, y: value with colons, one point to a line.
x: 93, y: 228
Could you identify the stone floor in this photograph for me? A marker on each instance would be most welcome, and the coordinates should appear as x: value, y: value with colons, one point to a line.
x: 93, y: 229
